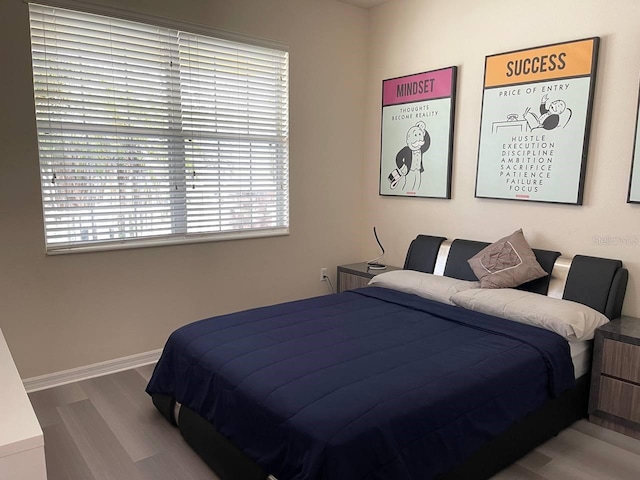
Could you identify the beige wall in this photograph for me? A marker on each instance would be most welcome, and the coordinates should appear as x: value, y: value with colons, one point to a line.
x: 408, y: 36
x: 67, y: 311
x: 60, y: 312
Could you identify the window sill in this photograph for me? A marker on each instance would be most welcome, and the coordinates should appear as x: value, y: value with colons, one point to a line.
x: 164, y: 241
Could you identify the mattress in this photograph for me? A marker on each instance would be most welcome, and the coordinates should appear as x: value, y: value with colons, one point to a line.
x: 366, y: 384
x: 581, y: 357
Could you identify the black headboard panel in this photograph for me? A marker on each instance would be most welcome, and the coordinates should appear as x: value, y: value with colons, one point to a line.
x: 422, y: 253
x: 459, y: 253
x: 546, y: 259
x: 616, y: 294
x: 599, y: 283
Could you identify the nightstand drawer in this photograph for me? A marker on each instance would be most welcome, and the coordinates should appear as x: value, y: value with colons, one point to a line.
x: 348, y: 281
x: 621, y: 360
x: 614, y: 401
x: 620, y: 399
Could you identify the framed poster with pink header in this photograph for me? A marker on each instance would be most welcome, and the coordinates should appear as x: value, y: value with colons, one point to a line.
x: 417, y: 134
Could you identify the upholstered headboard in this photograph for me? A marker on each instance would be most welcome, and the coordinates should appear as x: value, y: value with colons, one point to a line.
x: 599, y: 283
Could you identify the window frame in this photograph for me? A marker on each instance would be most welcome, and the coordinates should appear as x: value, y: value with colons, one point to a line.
x: 175, y: 238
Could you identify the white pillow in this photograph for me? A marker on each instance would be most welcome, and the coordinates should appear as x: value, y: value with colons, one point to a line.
x: 574, y: 321
x: 425, y: 285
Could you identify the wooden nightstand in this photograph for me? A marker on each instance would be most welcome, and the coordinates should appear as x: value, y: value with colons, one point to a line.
x: 614, y: 401
x: 357, y: 275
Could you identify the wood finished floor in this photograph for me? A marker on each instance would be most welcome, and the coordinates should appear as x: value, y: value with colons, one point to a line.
x: 107, y: 429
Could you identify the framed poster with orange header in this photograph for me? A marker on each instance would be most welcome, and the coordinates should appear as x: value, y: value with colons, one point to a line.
x: 536, y: 116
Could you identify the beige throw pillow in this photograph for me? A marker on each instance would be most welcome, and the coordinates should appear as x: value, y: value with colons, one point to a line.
x: 507, y: 263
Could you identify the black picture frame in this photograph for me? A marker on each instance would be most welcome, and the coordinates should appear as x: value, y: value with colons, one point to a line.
x: 535, y: 123
x: 416, y: 139
x: 633, y: 193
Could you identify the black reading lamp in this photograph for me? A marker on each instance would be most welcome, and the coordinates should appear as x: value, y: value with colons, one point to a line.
x: 373, y: 264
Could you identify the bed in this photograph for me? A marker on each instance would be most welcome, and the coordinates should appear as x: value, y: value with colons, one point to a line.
x: 378, y: 383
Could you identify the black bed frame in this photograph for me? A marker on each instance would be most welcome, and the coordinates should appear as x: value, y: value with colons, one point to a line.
x: 597, y: 282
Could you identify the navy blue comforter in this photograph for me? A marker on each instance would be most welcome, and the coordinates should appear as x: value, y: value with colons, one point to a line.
x: 368, y: 384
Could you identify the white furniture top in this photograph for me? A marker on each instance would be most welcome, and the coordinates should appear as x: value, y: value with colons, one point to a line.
x: 19, y: 427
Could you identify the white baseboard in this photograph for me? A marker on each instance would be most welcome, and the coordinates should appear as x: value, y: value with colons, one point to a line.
x: 56, y: 379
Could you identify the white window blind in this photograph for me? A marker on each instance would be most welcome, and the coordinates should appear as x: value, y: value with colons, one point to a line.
x: 148, y: 134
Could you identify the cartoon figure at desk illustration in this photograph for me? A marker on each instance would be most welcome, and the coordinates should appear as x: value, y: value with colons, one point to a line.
x: 409, y: 159
x: 553, y: 113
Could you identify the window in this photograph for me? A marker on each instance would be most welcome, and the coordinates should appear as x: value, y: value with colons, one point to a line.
x: 148, y: 134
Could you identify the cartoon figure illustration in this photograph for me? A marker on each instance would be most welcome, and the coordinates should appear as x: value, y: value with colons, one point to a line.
x: 409, y: 159
x: 552, y: 114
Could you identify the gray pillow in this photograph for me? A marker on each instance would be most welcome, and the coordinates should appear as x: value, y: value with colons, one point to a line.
x: 425, y: 285
x: 574, y: 321
x: 507, y: 263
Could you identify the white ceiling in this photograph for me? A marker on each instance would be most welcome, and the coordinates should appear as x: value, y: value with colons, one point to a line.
x: 364, y: 3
